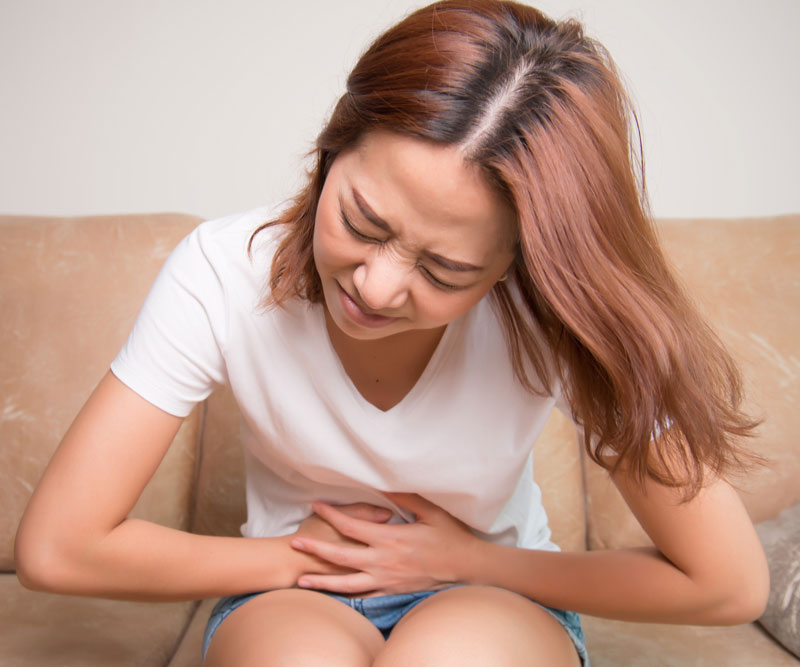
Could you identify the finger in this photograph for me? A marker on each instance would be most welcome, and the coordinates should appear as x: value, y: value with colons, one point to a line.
x: 359, y: 582
x: 352, y: 558
x: 356, y: 529
x: 414, y: 502
x: 366, y: 512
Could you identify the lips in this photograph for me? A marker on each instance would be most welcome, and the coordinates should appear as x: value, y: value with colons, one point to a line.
x: 359, y: 316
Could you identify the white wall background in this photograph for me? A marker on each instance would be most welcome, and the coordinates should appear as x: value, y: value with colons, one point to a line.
x: 207, y: 107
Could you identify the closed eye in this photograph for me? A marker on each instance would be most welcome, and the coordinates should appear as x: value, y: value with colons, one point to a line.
x: 439, y: 283
x: 354, y: 232
x: 430, y: 277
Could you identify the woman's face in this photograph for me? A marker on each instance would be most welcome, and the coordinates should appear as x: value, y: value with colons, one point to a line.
x: 407, y: 236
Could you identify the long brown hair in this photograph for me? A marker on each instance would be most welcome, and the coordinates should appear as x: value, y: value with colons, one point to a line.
x: 539, y: 107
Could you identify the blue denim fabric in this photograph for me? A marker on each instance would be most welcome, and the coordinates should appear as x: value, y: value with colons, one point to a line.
x: 384, y: 611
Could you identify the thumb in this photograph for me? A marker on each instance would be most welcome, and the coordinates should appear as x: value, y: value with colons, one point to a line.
x: 414, y: 502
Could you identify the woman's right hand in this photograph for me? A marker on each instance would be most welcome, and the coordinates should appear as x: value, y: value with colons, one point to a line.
x: 317, y: 528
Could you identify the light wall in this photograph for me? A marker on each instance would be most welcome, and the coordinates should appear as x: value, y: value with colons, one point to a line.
x: 207, y: 107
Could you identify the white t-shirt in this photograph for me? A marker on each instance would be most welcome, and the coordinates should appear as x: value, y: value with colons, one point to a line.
x: 461, y: 438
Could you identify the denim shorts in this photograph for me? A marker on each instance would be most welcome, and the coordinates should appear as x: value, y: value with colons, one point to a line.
x: 384, y: 611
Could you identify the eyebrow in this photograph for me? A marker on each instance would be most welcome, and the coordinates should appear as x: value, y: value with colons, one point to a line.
x: 375, y: 219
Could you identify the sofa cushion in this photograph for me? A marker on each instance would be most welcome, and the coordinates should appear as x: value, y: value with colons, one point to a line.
x: 781, y: 540
x: 743, y: 274
x: 617, y: 643
x: 190, y: 651
x: 59, y: 630
x: 69, y: 292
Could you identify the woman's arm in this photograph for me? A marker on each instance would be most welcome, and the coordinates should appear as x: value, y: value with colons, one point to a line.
x: 707, y: 567
x: 75, y: 536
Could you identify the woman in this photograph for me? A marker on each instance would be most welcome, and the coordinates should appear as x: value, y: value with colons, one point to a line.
x: 472, y: 249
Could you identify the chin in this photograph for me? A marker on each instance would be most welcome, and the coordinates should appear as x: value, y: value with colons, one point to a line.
x: 356, y: 332
x: 356, y: 324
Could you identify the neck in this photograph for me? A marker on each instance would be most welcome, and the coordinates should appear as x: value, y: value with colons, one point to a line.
x: 386, y: 369
x: 405, y: 346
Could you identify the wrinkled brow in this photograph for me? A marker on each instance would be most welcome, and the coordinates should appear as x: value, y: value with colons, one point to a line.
x: 375, y: 219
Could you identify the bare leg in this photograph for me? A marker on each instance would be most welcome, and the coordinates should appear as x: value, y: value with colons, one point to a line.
x: 478, y: 625
x: 294, y: 628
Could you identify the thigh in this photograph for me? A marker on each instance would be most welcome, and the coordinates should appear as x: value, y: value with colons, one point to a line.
x: 478, y: 625
x: 294, y: 627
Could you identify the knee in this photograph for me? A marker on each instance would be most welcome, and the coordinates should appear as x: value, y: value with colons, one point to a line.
x: 478, y: 625
x: 293, y: 627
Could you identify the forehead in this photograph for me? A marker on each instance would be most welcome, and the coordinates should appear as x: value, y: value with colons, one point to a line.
x: 427, y: 189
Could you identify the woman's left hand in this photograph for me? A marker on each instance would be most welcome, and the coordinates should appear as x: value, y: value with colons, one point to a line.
x: 392, y: 558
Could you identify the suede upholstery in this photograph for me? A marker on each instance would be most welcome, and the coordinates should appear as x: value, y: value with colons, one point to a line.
x: 69, y: 291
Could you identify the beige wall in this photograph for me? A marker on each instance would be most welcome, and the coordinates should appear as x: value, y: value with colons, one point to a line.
x: 206, y: 107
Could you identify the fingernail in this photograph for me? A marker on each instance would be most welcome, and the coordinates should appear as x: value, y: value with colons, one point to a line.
x: 304, y: 583
x: 297, y: 544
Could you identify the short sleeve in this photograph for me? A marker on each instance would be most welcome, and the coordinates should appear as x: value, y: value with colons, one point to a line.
x: 173, y: 357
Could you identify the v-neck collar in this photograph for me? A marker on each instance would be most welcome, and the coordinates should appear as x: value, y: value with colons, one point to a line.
x: 413, y: 395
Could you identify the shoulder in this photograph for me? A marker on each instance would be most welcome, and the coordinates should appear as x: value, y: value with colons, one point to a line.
x: 231, y: 235
x: 487, y: 349
x: 225, y: 249
x: 215, y: 267
x: 525, y: 340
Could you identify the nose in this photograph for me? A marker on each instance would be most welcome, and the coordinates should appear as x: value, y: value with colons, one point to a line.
x: 382, y: 281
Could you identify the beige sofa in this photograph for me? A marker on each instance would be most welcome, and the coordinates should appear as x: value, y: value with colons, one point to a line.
x: 69, y: 291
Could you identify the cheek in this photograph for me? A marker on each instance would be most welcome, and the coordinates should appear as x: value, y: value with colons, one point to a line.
x: 334, y: 249
x: 325, y: 223
x: 444, y: 308
x: 325, y: 242
x: 317, y: 249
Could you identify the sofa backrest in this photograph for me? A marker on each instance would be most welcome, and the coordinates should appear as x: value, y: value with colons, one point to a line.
x: 69, y: 291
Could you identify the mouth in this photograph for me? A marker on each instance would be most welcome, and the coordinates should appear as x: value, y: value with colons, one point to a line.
x: 360, y: 316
